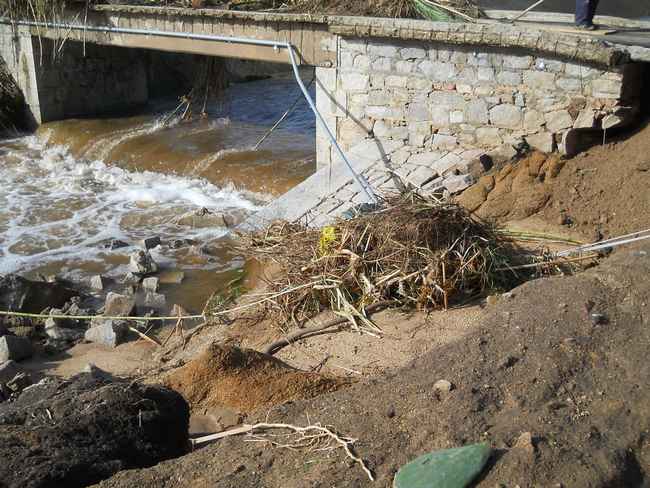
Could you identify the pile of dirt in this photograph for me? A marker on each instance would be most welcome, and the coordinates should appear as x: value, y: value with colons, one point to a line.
x: 78, y: 432
x: 245, y: 380
x: 599, y: 193
x: 553, y: 379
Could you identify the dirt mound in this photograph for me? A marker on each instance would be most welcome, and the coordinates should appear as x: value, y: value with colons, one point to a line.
x: 77, y: 432
x: 600, y: 193
x: 562, y: 358
x: 245, y: 380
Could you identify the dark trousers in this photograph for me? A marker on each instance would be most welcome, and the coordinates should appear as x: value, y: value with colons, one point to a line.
x: 585, y: 11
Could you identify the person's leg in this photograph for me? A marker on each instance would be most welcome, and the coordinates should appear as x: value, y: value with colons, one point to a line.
x: 582, y: 12
x: 593, y: 5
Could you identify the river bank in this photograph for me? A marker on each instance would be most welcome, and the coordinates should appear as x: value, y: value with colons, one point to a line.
x: 549, y: 374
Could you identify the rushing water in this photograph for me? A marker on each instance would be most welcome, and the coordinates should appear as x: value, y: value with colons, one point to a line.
x: 76, y: 184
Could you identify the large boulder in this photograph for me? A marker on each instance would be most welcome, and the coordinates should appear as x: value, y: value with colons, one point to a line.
x: 77, y: 432
x: 19, y: 294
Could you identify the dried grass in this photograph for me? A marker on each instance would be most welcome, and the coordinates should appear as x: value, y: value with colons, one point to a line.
x: 416, y: 251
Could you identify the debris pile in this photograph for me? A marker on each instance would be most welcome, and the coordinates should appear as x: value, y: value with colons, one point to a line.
x: 415, y: 251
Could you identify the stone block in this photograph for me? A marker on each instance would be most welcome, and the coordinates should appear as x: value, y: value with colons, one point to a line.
x: 543, y: 142
x: 456, y: 117
x: 418, y: 84
x: 386, y: 50
x: 458, y: 57
x: 383, y: 112
x: 14, y: 348
x: 351, y: 81
x: 150, y: 284
x: 478, y: 59
x: 352, y: 44
x: 438, y: 71
x: 117, y: 305
x: 533, y: 120
x: 155, y: 300
x: 488, y: 136
x: 467, y: 75
x: 476, y: 112
x: 513, y: 61
x: 361, y: 62
x: 412, y: 53
x: 512, y: 78
x: 110, y: 333
x: 539, y: 80
x: 395, y: 81
x: 439, y: 116
x: 450, y: 100
x: 552, y: 65
x: 457, y: 183
x: 569, y: 84
x: 404, y: 67
x: 485, y: 74
x: 506, y: 116
x: 382, y: 65
x: 447, y: 163
x: 558, y: 120
x: 604, y: 88
x: 444, y: 142
x: 586, y: 119
x: 97, y: 282
x: 418, y: 112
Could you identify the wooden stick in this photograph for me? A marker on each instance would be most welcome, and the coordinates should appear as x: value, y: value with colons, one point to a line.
x: 145, y: 336
x: 532, y: 7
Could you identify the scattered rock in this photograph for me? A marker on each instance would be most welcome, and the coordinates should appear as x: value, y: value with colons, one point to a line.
x: 19, y: 294
x: 598, y: 318
x: 86, y: 429
x: 492, y: 300
x: 155, y: 300
x: 19, y: 382
x: 178, y: 243
x: 508, y: 362
x: 443, y: 386
x: 97, y: 282
x: 131, y: 279
x: 525, y: 442
x: 390, y: 413
x: 150, y: 284
x: 53, y: 331
x: 141, y: 263
x: 171, y: 277
x: 150, y: 242
x: 110, y: 333
x: 13, y: 347
x: 117, y: 305
x: 8, y: 370
x: 113, y: 244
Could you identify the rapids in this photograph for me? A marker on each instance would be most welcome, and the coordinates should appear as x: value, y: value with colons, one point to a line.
x: 75, y: 184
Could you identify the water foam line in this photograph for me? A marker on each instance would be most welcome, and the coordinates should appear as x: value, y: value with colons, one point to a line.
x: 359, y: 179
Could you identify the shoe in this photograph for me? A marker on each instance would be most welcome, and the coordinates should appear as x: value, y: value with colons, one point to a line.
x: 587, y: 27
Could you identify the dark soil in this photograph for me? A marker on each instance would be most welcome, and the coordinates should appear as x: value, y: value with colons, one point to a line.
x: 540, y: 363
x: 245, y: 380
x: 600, y: 193
x: 78, y: 432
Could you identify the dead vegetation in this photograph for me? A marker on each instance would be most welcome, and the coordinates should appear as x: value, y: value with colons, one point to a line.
x: 415, y: 251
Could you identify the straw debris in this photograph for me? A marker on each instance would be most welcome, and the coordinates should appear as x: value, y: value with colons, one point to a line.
x: 415, y: 251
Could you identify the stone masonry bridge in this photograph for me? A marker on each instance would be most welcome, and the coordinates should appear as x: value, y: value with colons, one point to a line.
x: 410, y: 102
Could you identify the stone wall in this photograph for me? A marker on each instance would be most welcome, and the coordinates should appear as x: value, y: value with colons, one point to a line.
x: 435, y: 98
x: 75, y: 80
x: 426, y: 115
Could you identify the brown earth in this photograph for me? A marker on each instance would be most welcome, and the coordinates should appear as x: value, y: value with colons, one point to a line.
x: 600, y: 193
x: 245, y: 380
x: 538, y: 362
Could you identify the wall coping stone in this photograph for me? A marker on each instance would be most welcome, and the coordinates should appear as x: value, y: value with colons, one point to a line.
x: 485, y: 34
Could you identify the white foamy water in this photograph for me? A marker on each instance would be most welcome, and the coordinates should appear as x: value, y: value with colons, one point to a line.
x: 55, y: 208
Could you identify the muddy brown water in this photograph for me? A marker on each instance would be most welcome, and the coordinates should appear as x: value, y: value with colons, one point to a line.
x: 76, y: 183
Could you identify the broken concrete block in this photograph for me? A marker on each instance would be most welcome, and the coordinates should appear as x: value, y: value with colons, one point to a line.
x: 150, y: 242
x: 117, y: 305
x: 110, y: 333
x: 150, y: 284
x: 13, y: 347
x: 456, y: 183
x: 155, y: 300
x: 97, y: 282
x: 141, y: 263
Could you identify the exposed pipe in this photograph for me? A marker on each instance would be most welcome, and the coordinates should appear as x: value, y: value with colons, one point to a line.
x: 360, y: 181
